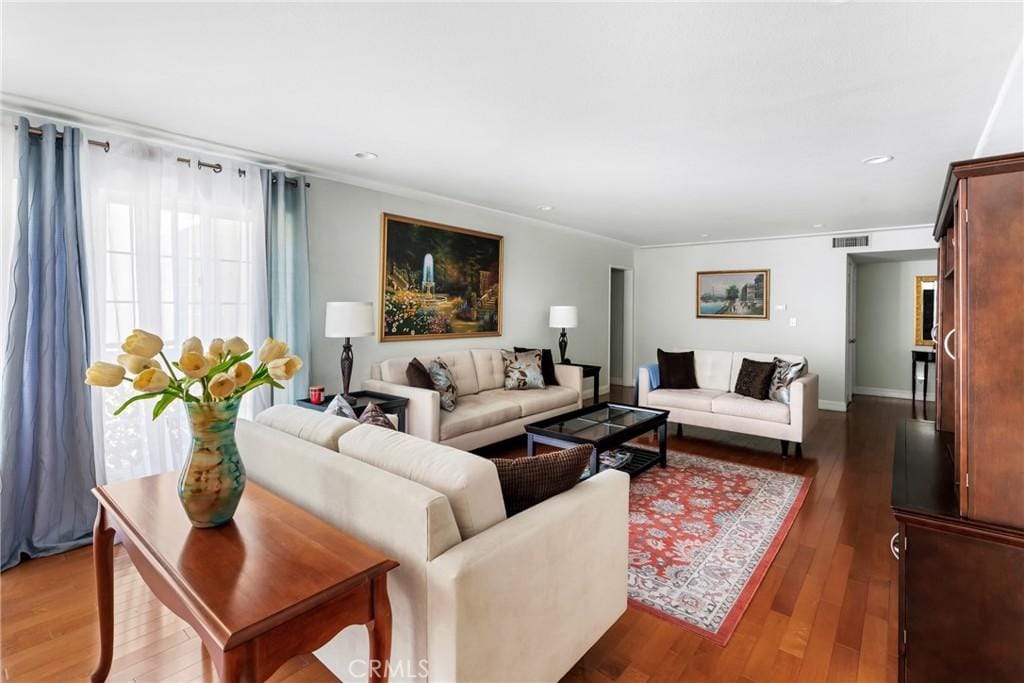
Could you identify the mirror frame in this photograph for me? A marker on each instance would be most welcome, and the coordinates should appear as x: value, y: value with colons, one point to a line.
x: 919, y: 282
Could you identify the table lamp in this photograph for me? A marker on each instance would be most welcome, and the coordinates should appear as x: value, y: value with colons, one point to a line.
x: 564, y: 317
x: 347, y: 319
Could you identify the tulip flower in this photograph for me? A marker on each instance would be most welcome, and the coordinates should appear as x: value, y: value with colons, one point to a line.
x: 194, y: 365
x: 241, y: 373
x: 101, y: 374
x: 216, y: 347
x: 272, y: 349
x: 236, y: 346
x: 285, y: 368
x: 142, y: 343
x: 151, y: 379
x: 192, y: 345
x: 135, y: 364
x: 221, y: 385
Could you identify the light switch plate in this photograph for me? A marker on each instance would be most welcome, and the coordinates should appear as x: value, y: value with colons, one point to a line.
x: 792, y: 322
x: 781, y: 307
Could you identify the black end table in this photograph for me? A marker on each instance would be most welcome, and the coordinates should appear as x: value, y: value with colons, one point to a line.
x: 926, y: 357
x: 594, y: 372
x: 604, y: 426
x: 388, y: 403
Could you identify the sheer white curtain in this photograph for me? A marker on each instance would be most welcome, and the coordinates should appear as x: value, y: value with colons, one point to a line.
x: 176, y: 250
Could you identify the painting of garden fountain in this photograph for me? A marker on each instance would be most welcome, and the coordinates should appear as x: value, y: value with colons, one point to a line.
x: 439, y: 281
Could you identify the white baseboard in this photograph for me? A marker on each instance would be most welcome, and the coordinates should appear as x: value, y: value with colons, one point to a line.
x: 837, y: 406
x: 617, y: 380
x: 890, y: 393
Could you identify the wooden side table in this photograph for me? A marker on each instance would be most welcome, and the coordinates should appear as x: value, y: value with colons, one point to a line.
x: 273, y: 583
x: 916, y: 357
x: 594, y: 372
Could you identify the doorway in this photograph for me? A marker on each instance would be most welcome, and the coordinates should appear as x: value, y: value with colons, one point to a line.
x: 620, y: 326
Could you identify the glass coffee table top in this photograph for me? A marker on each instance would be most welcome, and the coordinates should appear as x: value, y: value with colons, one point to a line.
x: 597, y: 422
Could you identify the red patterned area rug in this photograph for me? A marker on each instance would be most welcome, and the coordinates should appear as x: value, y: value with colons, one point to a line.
x: 702, y: 535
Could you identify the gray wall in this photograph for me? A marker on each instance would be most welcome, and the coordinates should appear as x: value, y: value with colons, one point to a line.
x: 808, y: 276
x: 885, y: 325
x: 544, y: 265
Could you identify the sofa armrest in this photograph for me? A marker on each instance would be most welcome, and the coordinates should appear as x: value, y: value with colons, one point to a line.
x: 803, y: 405
x: 643, y: 386
x: 422, y: 415
x: 547, y: 583
x: 570, y: 377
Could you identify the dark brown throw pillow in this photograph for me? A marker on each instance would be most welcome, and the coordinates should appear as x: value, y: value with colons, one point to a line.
x: 418, y: 376
x: 547, y: 364
x: 373, y: 415
x: 755, y: 379
x: 677, y: 370
x: 527, y: 481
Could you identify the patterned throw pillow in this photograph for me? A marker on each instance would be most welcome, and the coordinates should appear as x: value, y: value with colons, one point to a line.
x: 526, y: 481
x: 785, y: 373
x: 339, y: 406
x: 755, y: 379
x: 547, y: 364
x: 523, y: 370
x: 444, y: 383
x: 373, y: 415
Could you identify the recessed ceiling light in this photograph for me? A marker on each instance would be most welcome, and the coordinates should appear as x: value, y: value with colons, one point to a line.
x: 818, y: 225
x: 366, y: 155
x: 880, y: 159
x: 704, y: 234
x: 545, y: 207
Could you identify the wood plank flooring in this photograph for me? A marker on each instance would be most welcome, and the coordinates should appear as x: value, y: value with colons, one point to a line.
x: 826, y: 610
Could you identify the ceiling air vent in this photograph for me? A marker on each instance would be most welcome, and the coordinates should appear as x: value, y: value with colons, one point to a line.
x: 847, y: 242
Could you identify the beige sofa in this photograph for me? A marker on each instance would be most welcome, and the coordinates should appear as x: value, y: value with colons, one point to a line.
x: 477, y: 597
x: 485, y: 412
x: 716, y: 405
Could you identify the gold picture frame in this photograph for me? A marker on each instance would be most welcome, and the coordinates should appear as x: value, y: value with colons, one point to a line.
x: 924, y: 311
x: 734, y: 294
x: 438, y: 281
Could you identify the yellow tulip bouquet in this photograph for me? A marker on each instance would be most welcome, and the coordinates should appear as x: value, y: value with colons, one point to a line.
x: 219, y: 373
x: 211, y: 383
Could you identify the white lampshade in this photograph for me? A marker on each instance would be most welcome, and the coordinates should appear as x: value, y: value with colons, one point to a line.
x: 348, y: 319
x: 562, y: 316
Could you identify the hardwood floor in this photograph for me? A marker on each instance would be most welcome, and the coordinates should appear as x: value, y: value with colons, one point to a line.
x: 826, y: 610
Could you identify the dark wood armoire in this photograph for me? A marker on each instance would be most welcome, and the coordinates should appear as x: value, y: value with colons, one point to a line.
x: 958, y: 482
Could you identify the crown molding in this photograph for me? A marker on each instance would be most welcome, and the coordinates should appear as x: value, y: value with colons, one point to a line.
x: 794, y: 236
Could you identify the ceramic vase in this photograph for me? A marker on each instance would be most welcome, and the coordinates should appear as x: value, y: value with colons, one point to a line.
x: 213, y: 477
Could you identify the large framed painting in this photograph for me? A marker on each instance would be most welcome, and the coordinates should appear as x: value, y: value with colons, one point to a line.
x: 438, y: 281
x: 737, y: 294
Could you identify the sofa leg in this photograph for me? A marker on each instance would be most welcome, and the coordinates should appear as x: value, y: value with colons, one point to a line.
x: 799, y: 449
x: 679, y: 429
x: 785, y: 448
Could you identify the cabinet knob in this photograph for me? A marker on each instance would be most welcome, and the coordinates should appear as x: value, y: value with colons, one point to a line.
x: 894, y: 545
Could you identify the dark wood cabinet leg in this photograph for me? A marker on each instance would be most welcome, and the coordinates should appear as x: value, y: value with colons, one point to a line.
x: 103, y: 564
x: 785, y: 448
x: 679, y: 429
x: 380, y: 631
x: 663, y: 444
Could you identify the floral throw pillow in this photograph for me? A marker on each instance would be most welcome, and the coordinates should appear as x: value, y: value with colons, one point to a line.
x: 785, y: 373
x: 444, y: 383
x: 523, y: 370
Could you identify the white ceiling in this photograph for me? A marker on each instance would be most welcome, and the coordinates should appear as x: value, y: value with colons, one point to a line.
x: 652, y: 124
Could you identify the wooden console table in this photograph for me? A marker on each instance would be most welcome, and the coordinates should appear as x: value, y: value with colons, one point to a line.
x: 273, y: 583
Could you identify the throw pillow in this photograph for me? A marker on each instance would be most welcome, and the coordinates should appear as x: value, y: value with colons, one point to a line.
x: 547, y: 365
x: 522, y: 370
x: 339, y: 406
x: 785, y: 373
x: 527, y: 481
x: 677, y: 370
x: 444, y: 383
x: 755, y: 379
x: 418, y: 376
x: 373, y: 415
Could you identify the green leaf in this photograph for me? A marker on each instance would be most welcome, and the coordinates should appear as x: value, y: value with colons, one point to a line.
x: 162, y: 404
x: 140, y: 397
x: 223, y: 366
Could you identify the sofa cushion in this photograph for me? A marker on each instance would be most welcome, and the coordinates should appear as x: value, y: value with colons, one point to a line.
x: 755, y: 379
x: 418, y: 376
x: 523, y: 370
x: 547, y: 364
x: 468, y: 481
x: 713, y: 369
x: 477, y: 412
x: 676, y: 370
x: 537, y: 400
x: 744, y: 406
x: 687, y: 399
x: 737, y: 363
x: 308, y: 425
x: 528, y: 481
x: 463, y: 368
x: 490, y: 369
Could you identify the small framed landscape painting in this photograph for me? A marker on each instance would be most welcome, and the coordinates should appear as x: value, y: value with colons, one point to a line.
x: 733, y: 294
x: 438, y: 281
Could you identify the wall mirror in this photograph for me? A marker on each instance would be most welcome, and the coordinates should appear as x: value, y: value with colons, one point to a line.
x: 924, y: 309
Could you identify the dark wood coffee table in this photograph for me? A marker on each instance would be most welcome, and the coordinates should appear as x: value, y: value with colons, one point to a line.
x: 605, y: 426
x: 273, y: 583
